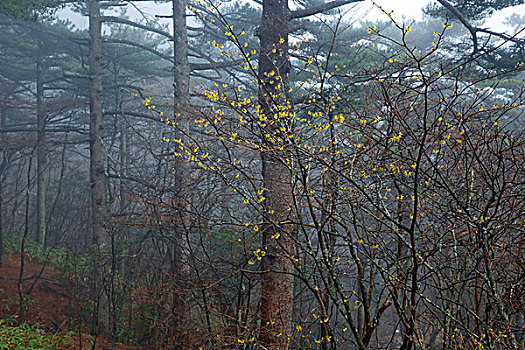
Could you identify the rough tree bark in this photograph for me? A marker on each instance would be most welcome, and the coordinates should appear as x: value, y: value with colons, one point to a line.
x: 278, y: 241
x: 40, y: 157
x: 278, y: 233
x: 97, y: 173
x: 1, y: 218
x: 181, y: 85
x: 3, y: 165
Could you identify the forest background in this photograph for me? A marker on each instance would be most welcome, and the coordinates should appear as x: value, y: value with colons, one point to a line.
x: 266, y: 175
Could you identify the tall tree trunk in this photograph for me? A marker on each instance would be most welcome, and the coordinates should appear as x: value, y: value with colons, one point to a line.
x: 1, y: 209
x: 40, y: 157
x: 124, y: 163
x: 1, y: 227
x: 181, y: 83
x: 3, y: 164
x: 278, y: 234
x: 98, y: 179
x: 21, y: 298
x: 124, y: 202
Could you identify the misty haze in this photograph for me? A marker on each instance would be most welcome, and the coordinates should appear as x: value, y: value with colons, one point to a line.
x: 262, y: 175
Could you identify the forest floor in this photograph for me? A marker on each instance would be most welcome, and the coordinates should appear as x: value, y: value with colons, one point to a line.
x: 51, y: 303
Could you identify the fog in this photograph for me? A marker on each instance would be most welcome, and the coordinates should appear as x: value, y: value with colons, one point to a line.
x: 262, y: 175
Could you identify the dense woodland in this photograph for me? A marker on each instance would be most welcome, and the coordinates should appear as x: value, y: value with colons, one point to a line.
x: 268, y: 174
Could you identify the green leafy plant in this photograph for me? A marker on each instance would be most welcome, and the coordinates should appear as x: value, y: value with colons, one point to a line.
x: 31, y: 337
x: 62, y: 259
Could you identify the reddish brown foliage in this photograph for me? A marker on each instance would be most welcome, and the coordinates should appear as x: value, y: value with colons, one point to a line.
x: 52, y: 303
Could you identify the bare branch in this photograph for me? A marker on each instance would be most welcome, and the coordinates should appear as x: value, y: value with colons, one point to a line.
x: 473, y: 30
x: 211, y: 65
x: 143, y: 47
x: 114, y: 19
x: 320, y: 9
